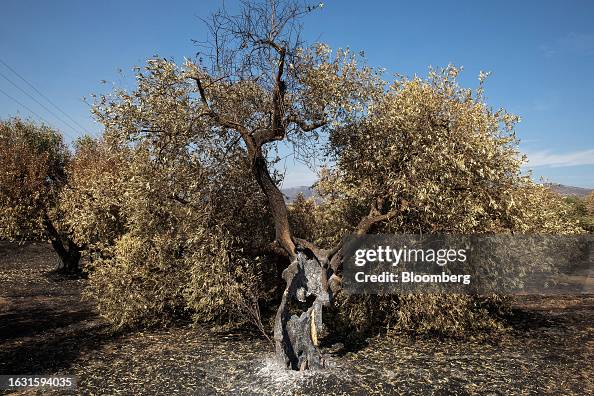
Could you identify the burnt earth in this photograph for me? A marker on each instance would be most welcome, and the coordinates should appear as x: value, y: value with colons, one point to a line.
x: 46, y: 329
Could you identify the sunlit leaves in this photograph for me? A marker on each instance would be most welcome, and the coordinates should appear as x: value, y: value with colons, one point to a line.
x: 440, y: 148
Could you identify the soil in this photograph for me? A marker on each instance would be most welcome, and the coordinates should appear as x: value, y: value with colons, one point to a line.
x: 46, y: 329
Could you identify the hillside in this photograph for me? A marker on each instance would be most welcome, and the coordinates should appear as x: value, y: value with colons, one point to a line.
x: 561, y: 189
x: 569, y: 190
x: 291, y: 193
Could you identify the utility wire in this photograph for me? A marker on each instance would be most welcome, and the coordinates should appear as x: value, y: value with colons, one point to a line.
x: 39, y: 118
x: 42, y: 95
x: 39, y: 103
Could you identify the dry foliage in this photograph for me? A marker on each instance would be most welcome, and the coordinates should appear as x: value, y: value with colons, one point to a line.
x: 176, y: 206
x: 175, y: 222
x: 171, y: 224
x: 33, y: 160
x: 439, y: 160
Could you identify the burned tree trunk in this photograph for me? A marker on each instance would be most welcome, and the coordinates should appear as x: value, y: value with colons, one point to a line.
x: 299, y: 317
x: 68, y: 252
x: 298, y: 320
x: 69, y: 263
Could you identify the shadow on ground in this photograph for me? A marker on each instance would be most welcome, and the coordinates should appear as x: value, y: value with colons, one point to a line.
x: 44, y: 325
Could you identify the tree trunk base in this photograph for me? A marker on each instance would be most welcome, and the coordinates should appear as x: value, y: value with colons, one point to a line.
x: 69, y: 264
x: 63, y: 269
x: 299, y: 317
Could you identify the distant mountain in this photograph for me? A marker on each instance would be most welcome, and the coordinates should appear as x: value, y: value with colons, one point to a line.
x: 291, y: 193
x: 567, y: 191
x: 561, y: 189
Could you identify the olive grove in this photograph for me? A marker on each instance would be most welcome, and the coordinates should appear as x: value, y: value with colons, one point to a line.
x: 179, y: 210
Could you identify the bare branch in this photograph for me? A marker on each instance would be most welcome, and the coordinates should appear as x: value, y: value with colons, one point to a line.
x: 375, y: 216
x: 201, y: 91
x: 280, y: 50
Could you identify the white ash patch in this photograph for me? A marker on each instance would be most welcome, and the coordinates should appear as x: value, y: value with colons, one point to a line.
x: 275, y: 379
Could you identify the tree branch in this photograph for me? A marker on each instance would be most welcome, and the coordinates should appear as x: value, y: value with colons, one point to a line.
x: 201, y: 91
x: 306, y: 127
x: 373, y: 217
x: 280, y: 50
x: 321, y: 254
x: 222, y: 121
x: 278, y: 94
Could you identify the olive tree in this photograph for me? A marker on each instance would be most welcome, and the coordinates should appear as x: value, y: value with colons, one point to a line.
x: 172, y: 222
x: 416, y: 155
x: 431, y: 157
x: 580, y: 211
x: 33, y: 160
x: 589, y: 208
x: 91, y: 202
x: 257, y: 81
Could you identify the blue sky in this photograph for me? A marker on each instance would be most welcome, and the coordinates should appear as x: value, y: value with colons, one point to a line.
x: 540, y: 53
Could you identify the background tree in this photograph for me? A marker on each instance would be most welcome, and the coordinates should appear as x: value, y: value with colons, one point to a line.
x: 33, y: 159
x: 581, y: 210
x: 590, y: 203
x: 92, y: 200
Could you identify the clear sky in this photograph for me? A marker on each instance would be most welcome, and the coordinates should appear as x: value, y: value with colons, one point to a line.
x: 540, y: 53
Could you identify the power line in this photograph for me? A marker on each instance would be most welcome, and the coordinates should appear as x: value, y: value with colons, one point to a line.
x: 39, y: 118
x: 42, y: 95
x: 39, y: 103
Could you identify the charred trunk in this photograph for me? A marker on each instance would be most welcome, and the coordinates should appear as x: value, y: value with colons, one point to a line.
x: 68, y: 252
x: 69, y: 263
x: 298, y: 321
